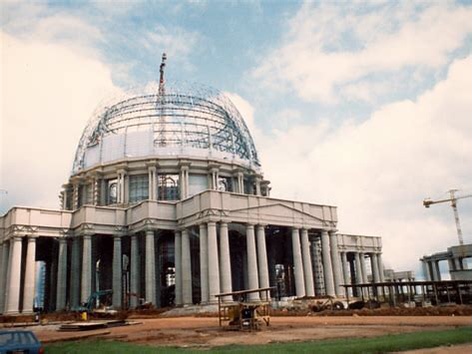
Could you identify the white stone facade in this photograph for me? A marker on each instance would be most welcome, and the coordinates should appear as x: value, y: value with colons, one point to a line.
x: 175, y: 228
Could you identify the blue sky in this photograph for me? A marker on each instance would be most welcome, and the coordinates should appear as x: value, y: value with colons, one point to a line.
x: 364, y: 105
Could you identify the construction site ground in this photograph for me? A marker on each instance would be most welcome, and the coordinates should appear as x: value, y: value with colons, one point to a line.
x: 204, y: 332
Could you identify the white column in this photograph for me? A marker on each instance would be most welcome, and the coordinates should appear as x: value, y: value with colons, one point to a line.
x: 375, y: 267
x: 459, y: 263
x: 4, y: 250
x: 345, y: 267
x: 204, y: 289
x: 424, y: 266
x: 117, y: 272
x: 327, y: 267
x: 13, y: 277
x: 150, y: 268
x: 262, y: 259
x: 258, y: 186
x: 134, y: 272
x: 298, y: 263
x: 381, y: 268
x: 336, y: 266
x: 363, y: 267
x: 186, y: 269
x: 213, y: 264
x: 30, y: 276
x: 61, y: 275
x: 253, y: 276
x: 359, y: 277
x: 152, y: 182
x: 437, y: 271
x: 75, y: 196
x: 225, y: 261
x: 178, y: 267
x: 240, y: 183
x: 183, y: 182
x: 75, y: 273
x: 86, y: 284
x: 307, y: 264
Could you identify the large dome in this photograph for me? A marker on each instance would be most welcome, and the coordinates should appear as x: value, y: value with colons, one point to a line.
x: 187, y: 120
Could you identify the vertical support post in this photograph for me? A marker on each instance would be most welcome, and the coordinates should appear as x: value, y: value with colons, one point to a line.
x: 186, y: 269
x: 345, y: 266
x: 297, y: 263
x: 253, y: 276
x: 152, y: 183
x: 437, y: 271
x: 258, y: 186
x: 30, y: 275
x: 75, y: 273
x: 13, y: 276
x: 381, y: 268
x: 61, y: 275
x: 75, y: 195
x: 307, y: 264
x: 262, y: 259
x: 4, y: 249
x: 134, y: 272
x: 240, y: 183
x: 359, y: 278
x: 225, y: 261
x: 150, y: 267
x: 213, y: 264
x: 363, y: 267
x: 375, y: 267
x: 117, y: 272
x: 335, y: 261
x: 204, y: 289
x: 86, y: 282
x: 327, y: 265
x: 178, y: 267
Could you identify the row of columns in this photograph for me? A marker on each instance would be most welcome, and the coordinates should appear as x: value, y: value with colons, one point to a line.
x: 122, y: 178
x: 10, y: 280
x: 215, y: 267
x: 432, y: 271
x: 360, y: 266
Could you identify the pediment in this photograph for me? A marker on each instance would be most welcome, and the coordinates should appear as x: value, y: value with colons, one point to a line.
x: 280, y: 210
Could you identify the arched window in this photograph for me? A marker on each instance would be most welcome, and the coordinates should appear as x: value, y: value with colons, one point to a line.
x: 168, y: 187
x: 112, y: 191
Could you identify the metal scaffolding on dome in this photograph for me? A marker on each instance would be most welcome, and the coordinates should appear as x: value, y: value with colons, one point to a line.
x: 184, y: 119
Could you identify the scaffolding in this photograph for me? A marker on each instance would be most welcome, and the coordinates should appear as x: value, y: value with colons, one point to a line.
x: 182, y: 119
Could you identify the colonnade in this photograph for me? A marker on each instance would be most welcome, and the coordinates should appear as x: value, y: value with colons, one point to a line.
x: 91, y: 188
x: 214, y: 260
x: 10, y: 275
x: 355, y: 271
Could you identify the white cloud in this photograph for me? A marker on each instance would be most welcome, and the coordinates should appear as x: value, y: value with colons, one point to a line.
x: 325, y: 48
x: 178, y: 43
x: 379, y: 171
x: 49, y: 91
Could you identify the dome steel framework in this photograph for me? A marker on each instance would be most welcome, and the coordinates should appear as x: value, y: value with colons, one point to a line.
x: 183, y: 119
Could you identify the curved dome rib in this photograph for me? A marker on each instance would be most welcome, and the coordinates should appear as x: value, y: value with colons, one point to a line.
x: 198, y: 122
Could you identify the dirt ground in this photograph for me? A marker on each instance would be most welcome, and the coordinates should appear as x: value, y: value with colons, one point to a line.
x: 154, y: 329
x: 204, y: 332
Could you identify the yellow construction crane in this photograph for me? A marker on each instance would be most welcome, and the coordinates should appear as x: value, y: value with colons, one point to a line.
x: 453, y: 199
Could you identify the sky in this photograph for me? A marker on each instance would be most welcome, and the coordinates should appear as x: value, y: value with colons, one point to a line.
x: 366, y: 105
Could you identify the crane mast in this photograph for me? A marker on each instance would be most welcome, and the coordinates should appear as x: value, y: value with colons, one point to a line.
x: 161, y: 138
x: 453, y: 199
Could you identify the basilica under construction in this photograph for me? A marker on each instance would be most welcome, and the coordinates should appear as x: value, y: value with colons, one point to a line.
x: 167, y: 203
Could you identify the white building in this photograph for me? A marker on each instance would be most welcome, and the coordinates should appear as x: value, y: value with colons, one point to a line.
x: 167, y: 202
